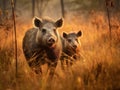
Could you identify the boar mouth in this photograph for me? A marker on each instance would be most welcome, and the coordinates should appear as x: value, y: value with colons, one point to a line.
x: 74, y: 48
x: 50, y: 45
x: 71, y: 49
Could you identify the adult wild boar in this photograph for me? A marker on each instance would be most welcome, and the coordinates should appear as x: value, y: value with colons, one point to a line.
x: 43, y: 40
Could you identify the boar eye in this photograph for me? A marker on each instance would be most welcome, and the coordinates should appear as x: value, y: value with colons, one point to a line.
x: 69, y: 40
x: 43, y: 30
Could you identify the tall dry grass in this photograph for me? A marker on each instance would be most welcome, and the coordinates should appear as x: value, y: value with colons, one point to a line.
x: 99, y: 71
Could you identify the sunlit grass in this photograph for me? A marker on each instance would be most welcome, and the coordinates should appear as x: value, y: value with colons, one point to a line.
x: 99, y: 71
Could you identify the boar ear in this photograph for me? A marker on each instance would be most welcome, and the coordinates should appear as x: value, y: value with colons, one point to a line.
x: 37, y: 22
x: 59, y: 22
x: 64, y: 35
x: 79, y: 33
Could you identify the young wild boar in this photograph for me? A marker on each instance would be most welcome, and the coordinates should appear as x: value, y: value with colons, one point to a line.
x: 43, y: 40
x: 71, y: 46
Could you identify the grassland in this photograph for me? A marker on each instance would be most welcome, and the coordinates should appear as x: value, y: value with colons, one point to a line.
x: 100, y: 69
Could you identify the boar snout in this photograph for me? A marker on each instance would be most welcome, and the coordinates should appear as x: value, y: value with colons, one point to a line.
x: 51, y: 41
x: 74, y: 46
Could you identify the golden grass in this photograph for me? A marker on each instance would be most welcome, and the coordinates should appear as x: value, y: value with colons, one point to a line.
x: 99, y: 71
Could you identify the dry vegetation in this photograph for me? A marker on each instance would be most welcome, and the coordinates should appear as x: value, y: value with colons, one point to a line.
x: 99, y: 71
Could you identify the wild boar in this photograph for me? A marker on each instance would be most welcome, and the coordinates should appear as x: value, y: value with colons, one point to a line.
x: 43, y: 40
x: 70, y: 47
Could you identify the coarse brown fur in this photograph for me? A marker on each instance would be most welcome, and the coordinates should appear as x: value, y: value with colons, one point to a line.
x: 71, y: 47
x: 43, y: 41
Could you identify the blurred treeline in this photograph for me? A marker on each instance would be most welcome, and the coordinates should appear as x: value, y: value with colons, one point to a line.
x: 39, y: 7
